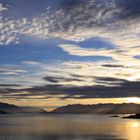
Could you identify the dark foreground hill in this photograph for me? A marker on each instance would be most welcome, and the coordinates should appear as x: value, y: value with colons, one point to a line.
x: 136, y: 116
x: 125, y: 108
x: 3, y: 112
x: 10, y: 108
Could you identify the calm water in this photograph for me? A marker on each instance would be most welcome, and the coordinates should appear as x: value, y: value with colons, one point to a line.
x: 67, y: 127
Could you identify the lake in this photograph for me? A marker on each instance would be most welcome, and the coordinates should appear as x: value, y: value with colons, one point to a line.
x: 68, y: 127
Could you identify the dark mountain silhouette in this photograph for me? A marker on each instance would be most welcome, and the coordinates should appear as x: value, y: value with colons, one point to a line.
x: 10, y: 108
x: 3, y: 112
x: 125, y: 108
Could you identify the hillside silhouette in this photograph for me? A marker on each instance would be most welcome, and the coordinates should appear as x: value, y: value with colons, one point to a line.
x: 125, y: 108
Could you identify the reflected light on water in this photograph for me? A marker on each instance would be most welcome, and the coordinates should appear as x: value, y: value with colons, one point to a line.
x: 135, y: 124
x: 69, y: 127
x: 132, y: 130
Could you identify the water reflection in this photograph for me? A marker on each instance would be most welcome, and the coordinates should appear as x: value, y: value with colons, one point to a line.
x: 132, y: 130
x: 68, y: 127
x: 135, y: 124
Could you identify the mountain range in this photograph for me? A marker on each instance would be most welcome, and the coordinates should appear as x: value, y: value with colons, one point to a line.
x: 125, y: 108
x: 6, y: 108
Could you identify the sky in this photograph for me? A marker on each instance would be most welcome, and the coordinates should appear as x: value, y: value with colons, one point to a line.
x: 58, y: 52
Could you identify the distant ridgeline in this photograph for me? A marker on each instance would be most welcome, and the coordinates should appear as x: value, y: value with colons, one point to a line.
x: 3, y: 112
x: 125, y: 108
x: 9, y: 108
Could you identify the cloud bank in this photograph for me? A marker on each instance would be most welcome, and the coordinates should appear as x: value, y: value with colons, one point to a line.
x: 76, y: 80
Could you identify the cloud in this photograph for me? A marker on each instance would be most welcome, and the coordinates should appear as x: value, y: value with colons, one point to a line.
x: 11, y: 71
x: 2, y: 8
x: 118, y: 54
x: 72, y: 79
x: 113, y: 66
x: 115, y: 21
x: 125, y: 89
x: 31, y: 62
x: 52, y: 79
x: 80, y: 20
x: 78, y: 51
x: 10, y: 30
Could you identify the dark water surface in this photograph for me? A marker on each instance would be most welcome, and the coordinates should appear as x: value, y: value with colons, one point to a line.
x: 67, y: 127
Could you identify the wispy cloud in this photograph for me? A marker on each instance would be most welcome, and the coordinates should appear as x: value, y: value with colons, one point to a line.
x: 79, y: 51
x: 11, y: 71
x: 2, y: 8
x: 73, y: 79
x: 121, y: 55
